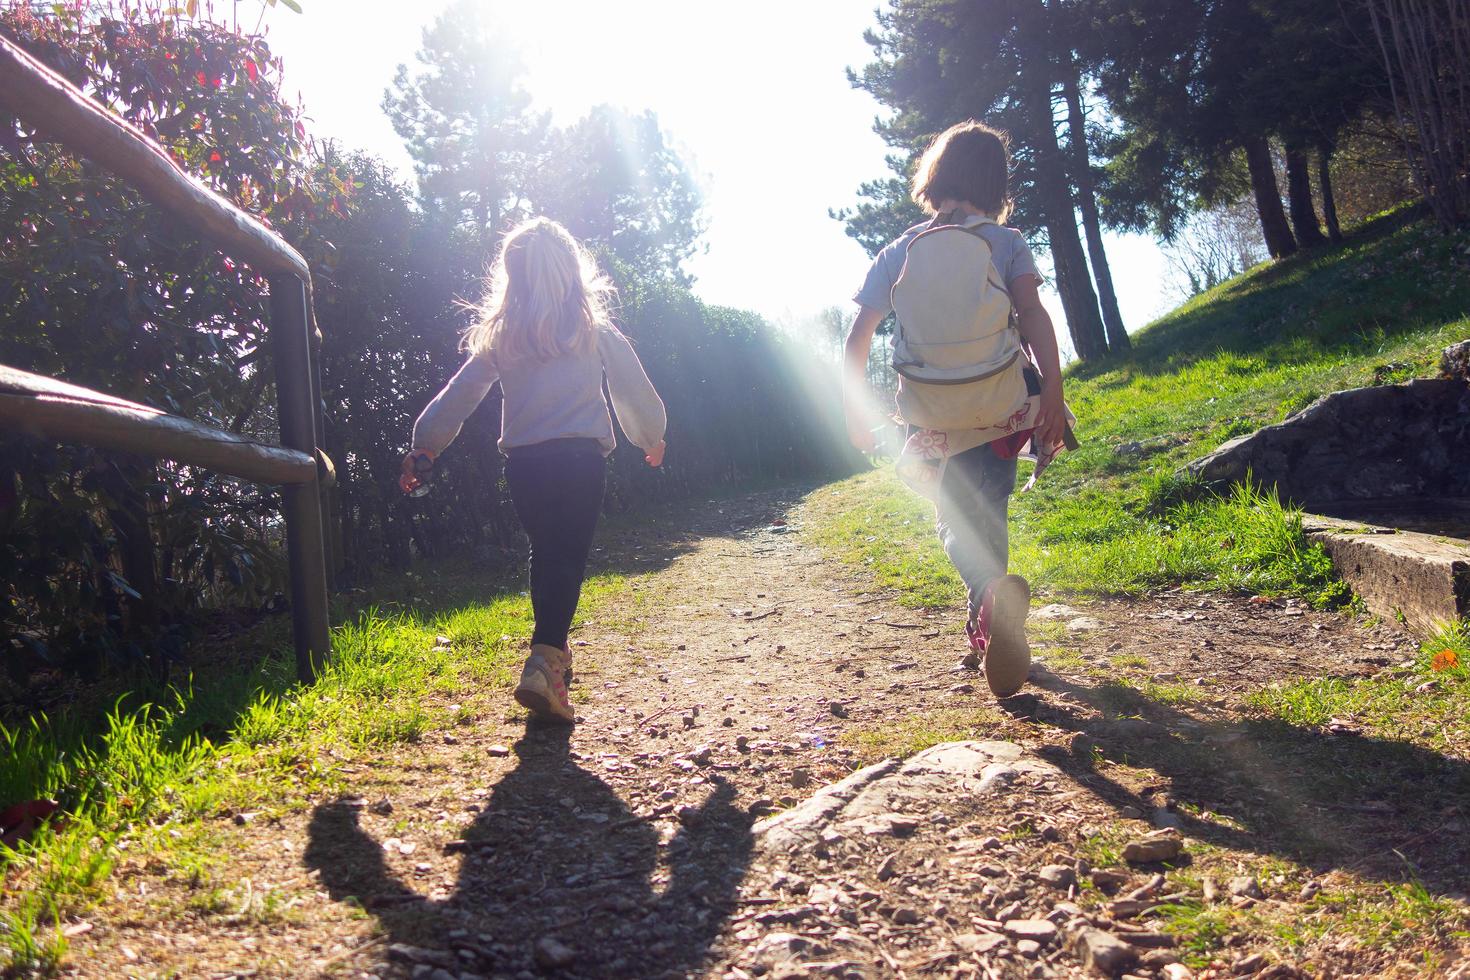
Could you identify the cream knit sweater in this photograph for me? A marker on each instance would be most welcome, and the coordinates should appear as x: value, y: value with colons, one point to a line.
x: 559, y: 398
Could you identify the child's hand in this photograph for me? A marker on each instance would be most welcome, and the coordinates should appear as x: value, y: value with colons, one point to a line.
x: 655, y: 456
x: 410, y: 479
x: 1052, y: 425
x: 861, y: 437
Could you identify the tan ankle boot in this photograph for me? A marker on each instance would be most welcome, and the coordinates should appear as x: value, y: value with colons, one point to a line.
x: 543, y: 687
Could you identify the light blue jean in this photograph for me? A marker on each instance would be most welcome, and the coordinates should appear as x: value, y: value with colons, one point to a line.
x: 973, y: 497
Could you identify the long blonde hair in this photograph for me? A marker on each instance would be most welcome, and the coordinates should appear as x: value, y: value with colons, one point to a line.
x: 544, y: 297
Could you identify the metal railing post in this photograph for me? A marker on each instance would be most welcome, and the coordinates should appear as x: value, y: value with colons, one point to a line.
x: 302, y: 504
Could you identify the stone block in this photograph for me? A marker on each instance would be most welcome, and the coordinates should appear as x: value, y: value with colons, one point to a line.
x: 1423, y: 577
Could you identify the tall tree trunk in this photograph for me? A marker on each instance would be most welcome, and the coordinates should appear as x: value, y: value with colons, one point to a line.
x: 1299, y: 192
x: 1329, y: 203
x: 1117, y: 334
x: 1079, y: 302
x: 1279, y: 241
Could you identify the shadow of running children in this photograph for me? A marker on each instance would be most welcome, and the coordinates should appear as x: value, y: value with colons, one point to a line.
x: 1375, y: 807
x: 557, y: 874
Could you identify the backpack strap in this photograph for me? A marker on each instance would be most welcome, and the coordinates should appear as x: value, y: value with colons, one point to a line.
x: 958, y: 218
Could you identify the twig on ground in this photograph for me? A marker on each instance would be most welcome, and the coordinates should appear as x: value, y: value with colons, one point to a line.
x: 657, y: 714
x: 350, y: 951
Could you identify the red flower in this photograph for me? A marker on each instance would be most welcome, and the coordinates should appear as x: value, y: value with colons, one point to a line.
x: 251, y: 70
x: 215, y: 157
x: 931, y: 444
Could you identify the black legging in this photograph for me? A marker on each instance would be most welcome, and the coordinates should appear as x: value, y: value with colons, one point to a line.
x: 557, y: 488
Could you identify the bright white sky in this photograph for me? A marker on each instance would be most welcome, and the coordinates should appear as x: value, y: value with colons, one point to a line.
x: 754, y: 93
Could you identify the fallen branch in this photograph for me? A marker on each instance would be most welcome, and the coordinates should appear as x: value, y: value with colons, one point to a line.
x: 657, y: 714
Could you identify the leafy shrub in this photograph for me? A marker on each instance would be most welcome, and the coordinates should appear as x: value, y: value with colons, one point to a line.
x: 102, y: 290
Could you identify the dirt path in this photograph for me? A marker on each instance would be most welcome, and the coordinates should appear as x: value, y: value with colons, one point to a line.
x: 744, y: 672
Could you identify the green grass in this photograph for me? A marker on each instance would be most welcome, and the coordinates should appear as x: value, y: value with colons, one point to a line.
x: 1113, y: 517
x: 1247, y: 541
x: 1427, y: 702
x: 154, y: 768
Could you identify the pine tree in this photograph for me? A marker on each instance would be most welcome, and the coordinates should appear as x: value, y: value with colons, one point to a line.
x: 467, y: 122
x: 616, y: 183
x: 938, y: 62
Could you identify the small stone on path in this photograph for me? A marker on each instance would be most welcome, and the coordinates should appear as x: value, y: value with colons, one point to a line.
x: 1059, y: 876
x: 1247, y: 965
x: 1166, y: 819
x: 979, y: 942
x: 1154, y: 848
x: 1037, y: 930
x: 1103, y: 953
x: 552, y: 954
x: 1246, y: 887
x: 498, y: 751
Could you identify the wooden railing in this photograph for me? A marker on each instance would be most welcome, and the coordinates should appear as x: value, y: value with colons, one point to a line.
x: 56, y: 410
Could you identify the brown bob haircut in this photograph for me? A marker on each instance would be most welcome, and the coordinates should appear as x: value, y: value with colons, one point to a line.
x: 969, y: 162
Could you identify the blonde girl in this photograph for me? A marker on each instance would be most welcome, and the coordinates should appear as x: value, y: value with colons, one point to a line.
x: 544, y: 333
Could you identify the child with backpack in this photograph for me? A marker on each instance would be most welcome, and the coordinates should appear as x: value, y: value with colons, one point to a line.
x: 545, y: 334
x: 980, y: 380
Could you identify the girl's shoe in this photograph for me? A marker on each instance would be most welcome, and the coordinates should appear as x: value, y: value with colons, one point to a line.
x: 1002, y: 630
x: 976, y: 636
x: 543, y: 687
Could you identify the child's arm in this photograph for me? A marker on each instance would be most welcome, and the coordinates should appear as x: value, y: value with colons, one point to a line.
x: 442, y: 419
x: 857, y: 399
x: 640, y: 411
x: 1037, y: 331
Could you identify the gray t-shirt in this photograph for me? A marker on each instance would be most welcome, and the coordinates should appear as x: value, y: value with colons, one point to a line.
x: 1008, y: 252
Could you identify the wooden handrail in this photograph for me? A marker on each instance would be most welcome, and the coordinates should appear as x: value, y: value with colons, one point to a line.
x: 41, y: 406
x: 33, y: 92
x: 60, y: 110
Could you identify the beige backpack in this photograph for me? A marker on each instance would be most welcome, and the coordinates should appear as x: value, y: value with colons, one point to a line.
x: 957, y: 350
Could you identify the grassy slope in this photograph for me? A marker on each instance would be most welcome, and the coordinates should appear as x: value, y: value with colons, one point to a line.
x: 1104, y: 521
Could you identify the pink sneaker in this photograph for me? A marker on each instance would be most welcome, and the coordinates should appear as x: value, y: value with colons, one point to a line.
x: 975, y: 633
x: 1001, y: 634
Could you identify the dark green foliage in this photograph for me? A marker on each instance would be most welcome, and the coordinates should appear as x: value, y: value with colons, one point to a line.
x: 466, y: 120
x: 98, y: 288
x: 1189, y: 98
x: 614, y: 181
x: 939, y: 62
